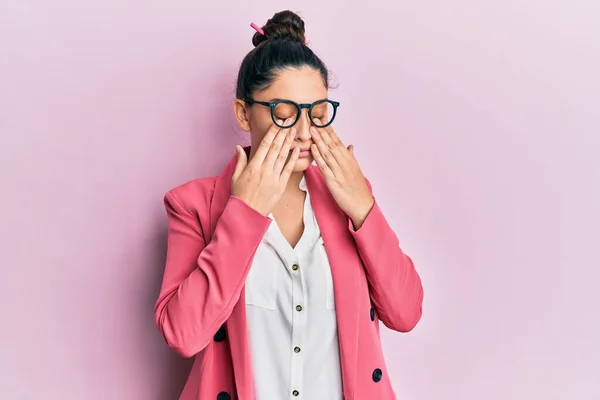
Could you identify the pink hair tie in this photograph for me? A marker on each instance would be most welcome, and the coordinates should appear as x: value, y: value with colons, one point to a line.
x: 257, y: 28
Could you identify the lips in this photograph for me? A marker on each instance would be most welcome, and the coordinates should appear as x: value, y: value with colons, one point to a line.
x: 303, y: 153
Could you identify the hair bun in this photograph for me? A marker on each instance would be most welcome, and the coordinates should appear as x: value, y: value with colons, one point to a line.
x: 283, y: 25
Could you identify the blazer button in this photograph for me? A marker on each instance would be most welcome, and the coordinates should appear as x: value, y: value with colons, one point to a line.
x: 372, y: 312
x: 223, y: 396
x: 377, y: 375
x: 220, y: 335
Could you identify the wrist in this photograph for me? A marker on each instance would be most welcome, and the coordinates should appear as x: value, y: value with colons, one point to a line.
x: 361, y: 212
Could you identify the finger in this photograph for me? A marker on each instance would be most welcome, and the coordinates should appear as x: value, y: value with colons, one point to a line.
x: 329, y: 137
x: 325, y: 150
x: 289, y: 167
x: 284, y: 153
x: 331, y: 132
x: 265, y: 144
x: 242, y: 161
x: 321, y: 163
x: 341, y: 153
x: 351, y: 149
x: 275, y: 149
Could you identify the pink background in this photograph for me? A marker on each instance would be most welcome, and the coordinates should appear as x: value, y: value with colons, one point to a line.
x: 477, y: 124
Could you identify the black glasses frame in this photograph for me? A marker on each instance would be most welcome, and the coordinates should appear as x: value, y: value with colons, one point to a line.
x: 299, y: 106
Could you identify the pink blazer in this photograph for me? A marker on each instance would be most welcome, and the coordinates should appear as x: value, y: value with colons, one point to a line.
x: 212, y: 239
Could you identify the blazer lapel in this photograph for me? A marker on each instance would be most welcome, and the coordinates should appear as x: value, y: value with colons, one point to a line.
x: 340, y: 250
x: 236, y: 324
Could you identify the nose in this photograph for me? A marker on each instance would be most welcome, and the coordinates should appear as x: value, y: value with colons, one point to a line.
x: 303, y: 126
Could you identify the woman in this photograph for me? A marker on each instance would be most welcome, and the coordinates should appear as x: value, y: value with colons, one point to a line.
x: 278, y: 271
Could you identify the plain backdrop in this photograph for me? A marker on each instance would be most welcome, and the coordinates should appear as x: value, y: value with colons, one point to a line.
x: 476, y: 121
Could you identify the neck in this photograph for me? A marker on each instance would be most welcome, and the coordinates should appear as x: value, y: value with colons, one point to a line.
x: 294, y: 181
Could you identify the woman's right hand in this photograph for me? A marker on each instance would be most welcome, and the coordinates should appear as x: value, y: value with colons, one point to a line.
x: 261, y: 181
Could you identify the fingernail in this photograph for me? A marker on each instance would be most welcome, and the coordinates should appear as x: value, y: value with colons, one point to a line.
x: 279, y: 122
x: 292, y: 131
x: 313, y: 130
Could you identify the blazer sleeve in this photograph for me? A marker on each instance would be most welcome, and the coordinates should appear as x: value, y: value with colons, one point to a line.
x: 394, y: 284
x: 203, y: 281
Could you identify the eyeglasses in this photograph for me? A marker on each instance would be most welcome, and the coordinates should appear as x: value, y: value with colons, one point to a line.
x: 323, y: 110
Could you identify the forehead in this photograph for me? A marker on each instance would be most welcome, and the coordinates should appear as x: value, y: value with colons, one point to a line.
x: 302, y: 85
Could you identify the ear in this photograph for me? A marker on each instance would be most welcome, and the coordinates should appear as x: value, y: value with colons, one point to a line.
x: 241, y: 115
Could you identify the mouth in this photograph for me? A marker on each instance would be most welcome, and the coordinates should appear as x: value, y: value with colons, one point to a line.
x: 303, y: 152
x: 301, y: 149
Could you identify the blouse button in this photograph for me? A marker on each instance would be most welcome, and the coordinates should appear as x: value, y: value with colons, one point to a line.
x: 297, y: 349
x: 295, y: 267
x: 295, y: 393
x: 298, y: 308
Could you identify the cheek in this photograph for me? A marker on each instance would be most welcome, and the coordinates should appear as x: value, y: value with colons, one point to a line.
x: 260, y: 123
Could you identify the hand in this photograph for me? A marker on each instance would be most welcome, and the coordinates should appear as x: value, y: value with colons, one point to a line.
x: 261, y: 181
x: 342, y: 174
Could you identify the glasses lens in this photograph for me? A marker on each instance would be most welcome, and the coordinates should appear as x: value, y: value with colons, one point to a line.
x: 323, y: 112
x: 284, y: 111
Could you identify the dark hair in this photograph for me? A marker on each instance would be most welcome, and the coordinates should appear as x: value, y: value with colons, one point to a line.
x: 282, y: 46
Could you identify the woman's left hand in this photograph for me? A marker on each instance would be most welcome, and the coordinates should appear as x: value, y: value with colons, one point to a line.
x: 342, y: 174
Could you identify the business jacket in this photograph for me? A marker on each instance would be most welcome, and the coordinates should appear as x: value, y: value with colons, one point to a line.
x: 201, y: 310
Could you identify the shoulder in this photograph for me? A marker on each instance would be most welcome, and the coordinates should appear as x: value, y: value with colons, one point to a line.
x: 192, y: 196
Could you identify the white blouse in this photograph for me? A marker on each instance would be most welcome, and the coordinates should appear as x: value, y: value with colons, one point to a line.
x: 290, y: 309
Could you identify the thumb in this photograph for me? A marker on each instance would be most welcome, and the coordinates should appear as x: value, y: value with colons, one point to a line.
x: 242, y: 161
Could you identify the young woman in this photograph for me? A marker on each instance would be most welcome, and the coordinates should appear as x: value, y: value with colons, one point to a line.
x: 278, y: 271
